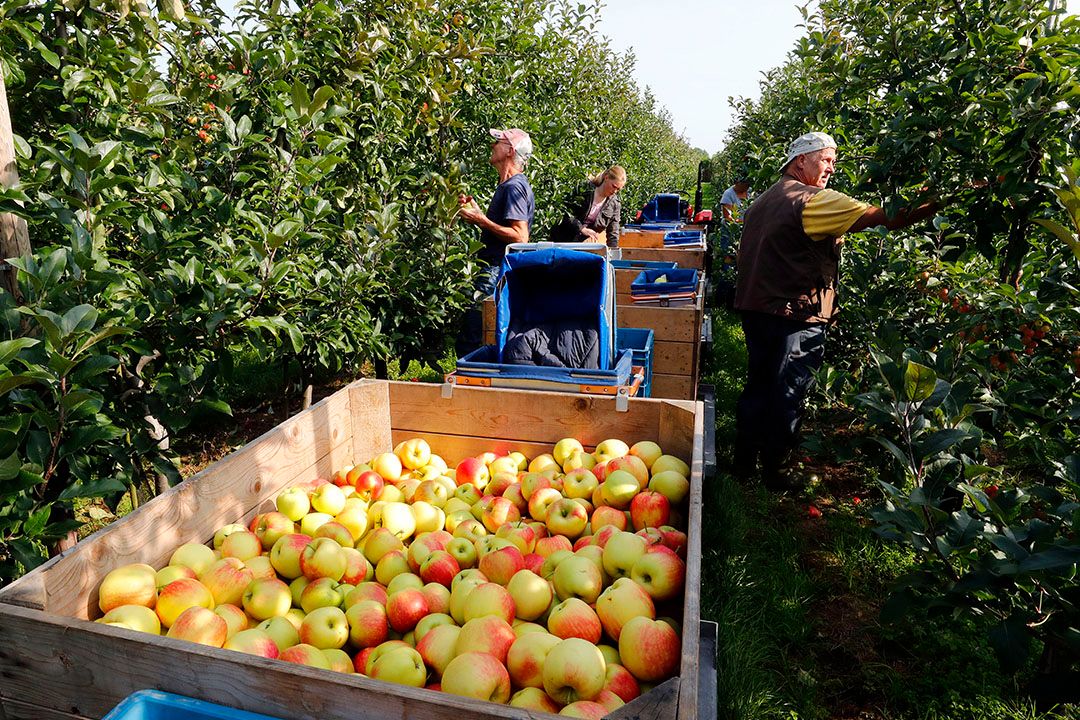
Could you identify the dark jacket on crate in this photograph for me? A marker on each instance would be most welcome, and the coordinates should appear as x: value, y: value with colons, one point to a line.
x: 577, y: 210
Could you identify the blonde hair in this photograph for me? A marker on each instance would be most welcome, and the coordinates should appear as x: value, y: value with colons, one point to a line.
x: 615, y: 172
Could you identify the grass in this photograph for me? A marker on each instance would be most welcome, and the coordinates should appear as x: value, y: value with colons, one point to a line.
x: 798, y: 599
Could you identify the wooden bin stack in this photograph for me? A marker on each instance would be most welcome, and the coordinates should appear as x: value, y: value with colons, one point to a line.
x: 55, y: 665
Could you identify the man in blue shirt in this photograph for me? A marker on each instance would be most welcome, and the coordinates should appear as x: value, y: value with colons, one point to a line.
x: 508, y: 219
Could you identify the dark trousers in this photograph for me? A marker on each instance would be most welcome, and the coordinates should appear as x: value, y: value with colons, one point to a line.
x: 472, y: 331
x: 783, y: 355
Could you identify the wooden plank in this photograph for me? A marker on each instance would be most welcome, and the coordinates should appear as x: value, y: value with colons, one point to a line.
x: 685, y: 257
x: 309, y: 445
x: 519, y: 415
x: 15, y: 710
x: 708, y: 692
x: 673, y: 420
x: 657, y: 704
x: 642, y: 239
x: 82, y: 668
x: 678, y: 323
x: 488, y: 308
x: 673, y: 358
x: 676, y: 387
x: 369, y: 403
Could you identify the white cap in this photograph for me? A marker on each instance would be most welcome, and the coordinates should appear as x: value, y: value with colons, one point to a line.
x: 808, y: 143
x: 518, y: 139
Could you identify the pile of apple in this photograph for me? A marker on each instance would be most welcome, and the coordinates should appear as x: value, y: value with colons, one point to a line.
x: 537, y: 584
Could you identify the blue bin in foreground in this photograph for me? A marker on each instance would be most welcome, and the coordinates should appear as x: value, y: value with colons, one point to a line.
x: 157, y: 705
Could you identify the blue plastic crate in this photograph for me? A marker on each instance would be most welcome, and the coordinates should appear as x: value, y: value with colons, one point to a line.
x: 643, y: 264
x: 157, y: 705
x: 677, y: 238
x: 639, y: 341
x: 677, y: 280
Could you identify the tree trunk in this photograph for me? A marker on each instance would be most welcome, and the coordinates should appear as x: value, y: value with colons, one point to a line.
x: 14, y: 235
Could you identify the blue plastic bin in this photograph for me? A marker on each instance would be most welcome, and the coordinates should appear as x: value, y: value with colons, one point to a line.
x: 157, y: 705
x: 679, y: 280
x: 643, y: 264
x: 639, y: 341
x: 664, y: 208
x: 484, y: 363
x: 677, y: 238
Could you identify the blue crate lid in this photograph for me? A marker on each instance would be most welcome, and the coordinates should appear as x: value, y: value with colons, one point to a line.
x: 643, y: 264
x: 157, y: 705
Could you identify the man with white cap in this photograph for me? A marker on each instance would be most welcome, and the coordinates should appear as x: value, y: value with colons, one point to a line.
x: 786, y: 291
x: 508, y: 219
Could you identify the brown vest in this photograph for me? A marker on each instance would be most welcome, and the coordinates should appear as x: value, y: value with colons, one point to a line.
x: 781, y: 270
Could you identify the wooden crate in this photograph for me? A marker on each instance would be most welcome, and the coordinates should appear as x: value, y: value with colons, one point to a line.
x: 641, y: 238
x: 689, y: 257
x: 55, y: 664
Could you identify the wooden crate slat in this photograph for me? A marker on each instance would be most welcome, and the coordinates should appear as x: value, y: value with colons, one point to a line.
x: 660, y: 703
x: 691, y: 638
x: 15, y: 710
x: 369, y: 403
x: 515, y: 415
x: 674, y: 358
x: 235, y: 487
x: 686, y: 257
x: 88, y: 668
x: 678, y: 323
x: 678, y: 387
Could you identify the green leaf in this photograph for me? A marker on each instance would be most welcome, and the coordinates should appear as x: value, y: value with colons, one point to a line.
x: 1011, y: 643
x: 11, y: 348
x: 322, y: 96
x: 216, y: 405
x: 36, y: 523
x: 10, y: 467
x: 92, y: 489
x: 1053, y: 558
x: 28, y: 554
x: 78, y: 318
x: 300, y: 98
x: 919, y: 382
x: 1062, y: 233
x: 11, y: 382
x: 940, y: 440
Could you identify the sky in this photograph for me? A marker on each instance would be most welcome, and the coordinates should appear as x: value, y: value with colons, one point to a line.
x: 695, y: 54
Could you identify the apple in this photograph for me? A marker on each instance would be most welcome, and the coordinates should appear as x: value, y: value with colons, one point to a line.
x: 388, y: 465
x: 650, y: 649
x: 366, y: 591
x: 565, y: 448
x: 477, y: 675
x: 336, y: 532
x: 587, y: 709
x: 531, y: 698
x: 665, y: 463
x: 414, y: 453
x: 503, y: 464
x: 649, y: 509
x: 671, y: 484
x: 516, y: 495
x: 253, y: 642
x: 660, y: 574
x: 431, y: 492
x: 405, y: 608
x: 473, y: 471
x: 610, y: 449
x: 379, y: 542
x: 429, y: 622
x: 225, y: 530
x: 401, y: 665
x: 488, y: 634
x: 601, y: 537
x: 618, y: 489
x: 574, y: 670
x: 167, y: 574
x: 178, y: 596
x: 673, y: 539
x: 369, y: 625
x: 605, y: 516
x: 648, y: 451
x: 354, y: 517
x: 579, y: 460
x: 339, y: 660
x: 369, y: 484
x: 489, y: 599
x: 196, y: 556
x: 267, y: 597
x: 577, y: 576
x: 134, y: 584
x: 242, y: 545
x: 439, y: 567
x: 460, y: 590
x: 501, y: 565
x: 286, y: 552
x: 547, y: 570
x: 325, y: 627
x: 398, y: 518
x: 621, y: 552
x: 501, y: 510
x: 525, y: 658
x: 321, y: 592
x: 463, y: 551
x: 404, y: 581
x: 304, y: 654
x: 566, y: 517
x: 437, y: 646
x: 543, y: 462
x: 227, y: 579
x: 357, y: 568
x: 391, y: 565
x: 427, y: 517
x: 541, y: 501
x: 520, y: 459
x: 621, y: 681
x: 467, y: 493
x: 620, y: 602
x: 579, y: 483
x: 574, y: 618
x: 498, y: 483
x: 546, y: 546
x: 135, y: 617
x: 323, y: 557
x: 281, y: 631
x: 328, y: 498
x: 531, y: 594
x: 271, y: 526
